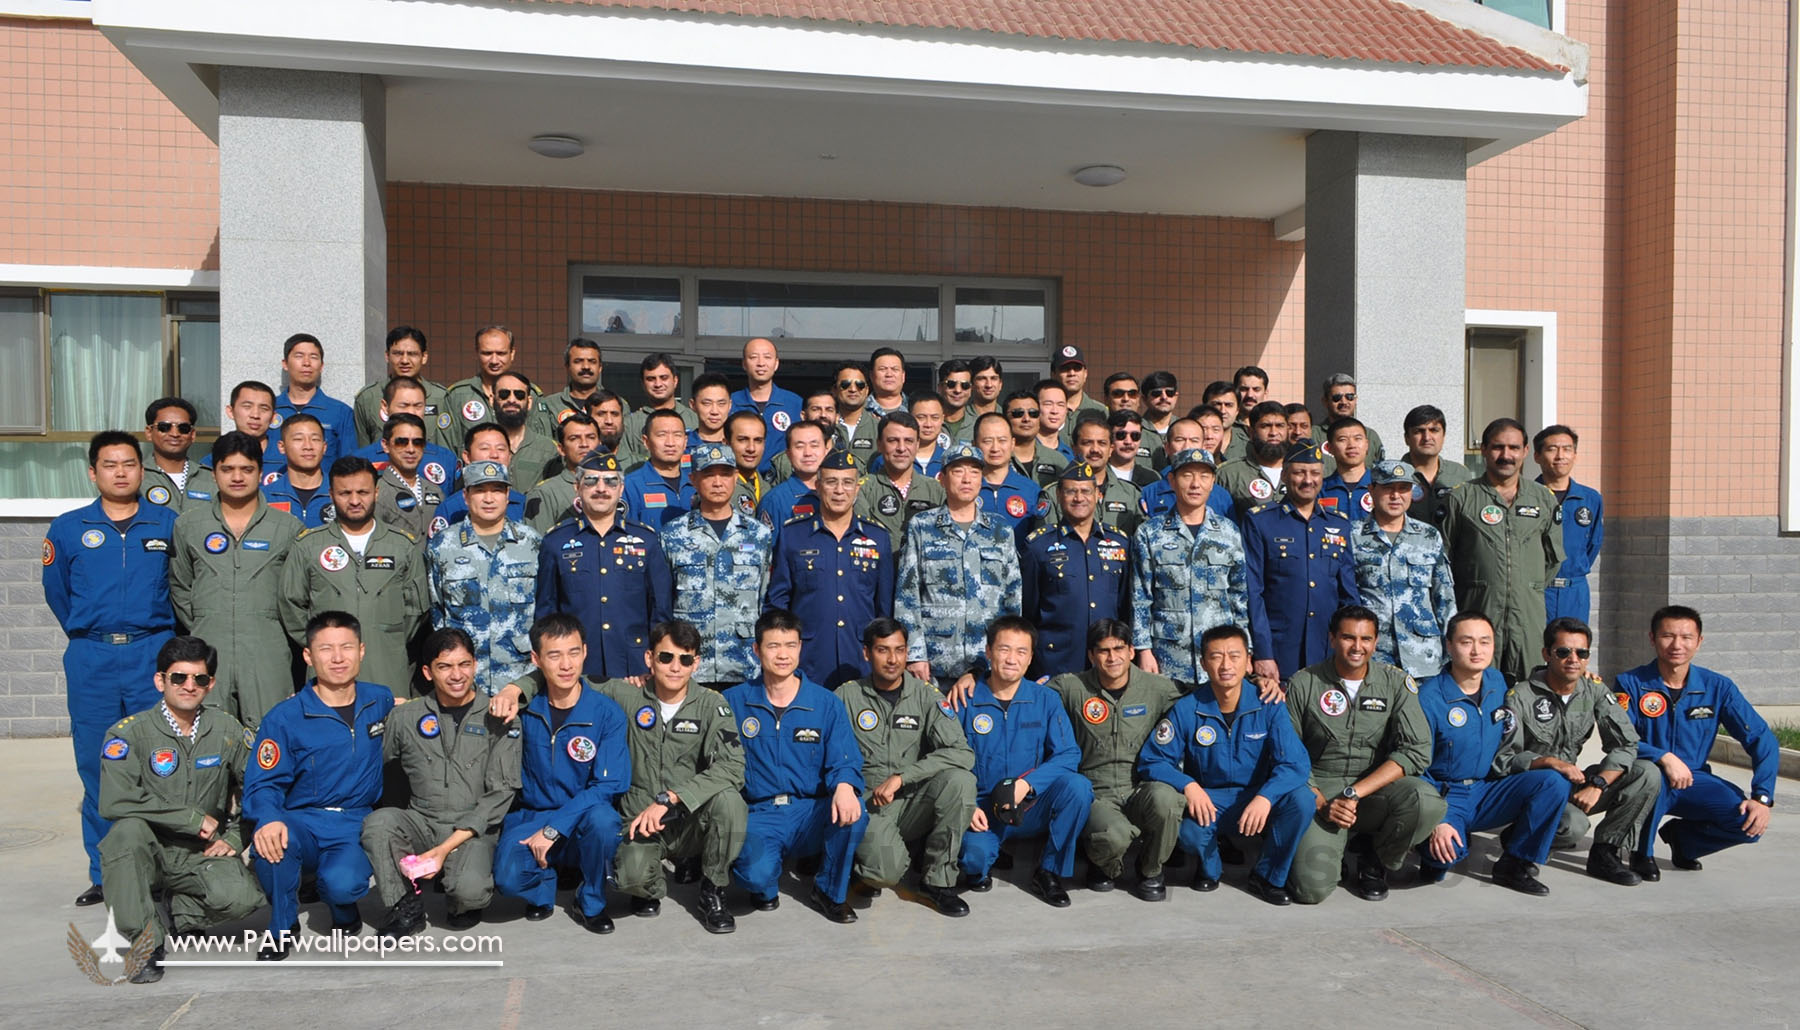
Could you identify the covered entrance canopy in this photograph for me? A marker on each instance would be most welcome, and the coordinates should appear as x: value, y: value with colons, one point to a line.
x: 1349, y: 121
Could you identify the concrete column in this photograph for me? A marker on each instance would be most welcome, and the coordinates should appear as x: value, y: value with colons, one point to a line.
x: 1384, y: 276
x: 302, y: 231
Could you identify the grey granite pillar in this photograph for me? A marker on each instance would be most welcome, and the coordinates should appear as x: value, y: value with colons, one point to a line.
x: 1384, y: 275
x: 302, y: 234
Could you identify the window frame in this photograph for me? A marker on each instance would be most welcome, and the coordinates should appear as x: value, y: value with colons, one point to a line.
x: 691, y: 350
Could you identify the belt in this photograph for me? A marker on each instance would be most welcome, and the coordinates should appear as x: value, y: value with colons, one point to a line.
x: 1559, y: 582
x: 116, y: 639
x: 786, y: 799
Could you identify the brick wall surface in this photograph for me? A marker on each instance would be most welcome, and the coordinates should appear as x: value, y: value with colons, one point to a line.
x: 31, y: 644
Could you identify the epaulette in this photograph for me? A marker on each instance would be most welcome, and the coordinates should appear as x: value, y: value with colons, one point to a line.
x: 795, y: 518
x: 302, y: 535
x: 1034, y: 534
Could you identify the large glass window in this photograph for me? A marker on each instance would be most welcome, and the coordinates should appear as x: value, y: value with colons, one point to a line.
x: 77, y: 363
x: 818, y: 311
x: 634, y: 305
x: 702, y: 316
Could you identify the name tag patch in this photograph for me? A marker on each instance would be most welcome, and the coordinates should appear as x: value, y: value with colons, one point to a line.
x: 906, y: 722
x: 206, y: 763
x: 806, y: 735
x: 384, y: 563
x: 156, y: 544
x: 1372, y: 704
x: 1700, y: 712
x: 684, y: 726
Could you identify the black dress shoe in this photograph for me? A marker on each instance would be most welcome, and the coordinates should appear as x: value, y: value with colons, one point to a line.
x: 1150, y: 888
x: 768, y: 904
x: 1677, y: 857
x: 1097, y: 880
x: 539, y: 913
x: 464, y: 920
x: 599, y: 922
x: 280, y: 945
x: 1267, y: 891
x: 978, y: 884
x: 1371, y: 879
x: 836, y: 911
x: 645, y: 907
x: 1047, y: 885
x: 1646, y: 868
x: 94, y: 895
x: 1515, y: 874
x: 687, y: 870
x: 406, y: 918
x: 152, y: 970
x: 945, y: 900
x: 1604, y: 863
x: 713, y: 913
x: 1204, y: 883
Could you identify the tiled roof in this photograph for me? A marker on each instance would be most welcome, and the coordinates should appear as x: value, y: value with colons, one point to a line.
x: 1352, y: 30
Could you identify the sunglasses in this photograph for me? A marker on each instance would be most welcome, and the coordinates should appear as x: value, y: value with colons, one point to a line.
x: 955, y: 384
x: 201, y: 679
x: 1122, y: 393
x: 1126, y: 434
x: 853, y: 384
x: 1564, y: 652
x: 1022, y: 413
x: 670, y: 658
x: 408, y: 441
x: 1336, y: 397
x: 596, y: 480
x: 1164, y: 391
x: 177, y: 427
x: 511, y: 394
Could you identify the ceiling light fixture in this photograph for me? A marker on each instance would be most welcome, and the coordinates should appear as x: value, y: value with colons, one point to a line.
x: 1100, y: 175
x: 550, y: 145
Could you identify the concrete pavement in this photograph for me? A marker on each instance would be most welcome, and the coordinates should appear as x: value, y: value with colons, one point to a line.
x: 1713, y: 948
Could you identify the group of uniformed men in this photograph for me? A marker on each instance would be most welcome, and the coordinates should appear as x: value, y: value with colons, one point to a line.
x: 1034, y: 626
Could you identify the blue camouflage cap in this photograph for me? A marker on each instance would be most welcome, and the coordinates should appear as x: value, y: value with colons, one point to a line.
x: 1193, y: 456
x: 838, y: 459
x: 1306, y: 454
x: 711, y: 455
x: 482, y: 473
x: 1388, y: 473
x: 960, y: 450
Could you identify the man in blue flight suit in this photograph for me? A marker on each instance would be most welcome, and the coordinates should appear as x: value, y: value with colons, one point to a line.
x: 1300, y: 569
x: 303, y: 359
x: 1346, y: 490
x: 1014, y: 499
x: 802, y: 775
x: 1583, y: 528
x: 106, y: 579
x: 659, y: 490
x: 301, y: 486
x: 808, y: 443
x: 1027, y: 767
x: 607, y: 571
x: 1239, y: 766
x: 835, y: 572
x: 1074, y: 574
x: 778, y: 408
x: 309, y: 785
x: 573, y: 766
x: 1470, y: 723
x: 406, y: 396
x: 1678, y: 709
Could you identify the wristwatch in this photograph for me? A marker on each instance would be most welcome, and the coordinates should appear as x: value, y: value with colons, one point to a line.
x: 550, y: 834
x: 1763, y: 799
x: 1349, y: 793
x: 664, y: 798
x: 1597, y: 781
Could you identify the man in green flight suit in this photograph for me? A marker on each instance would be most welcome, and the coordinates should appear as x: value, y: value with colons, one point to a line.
x: 1368, y: 741
x: 361, y: 566
x: 1504, y: 537
x: 1113, y: 706
x: 919, y: 765
x: 462, y: 763
x: 224, y: 575
x: 168, y: 777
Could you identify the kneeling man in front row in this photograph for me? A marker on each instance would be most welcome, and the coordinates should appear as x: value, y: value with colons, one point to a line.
x: 1238, y: 765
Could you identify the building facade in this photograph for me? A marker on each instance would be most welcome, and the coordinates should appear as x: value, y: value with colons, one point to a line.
x: 1584, y: 220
